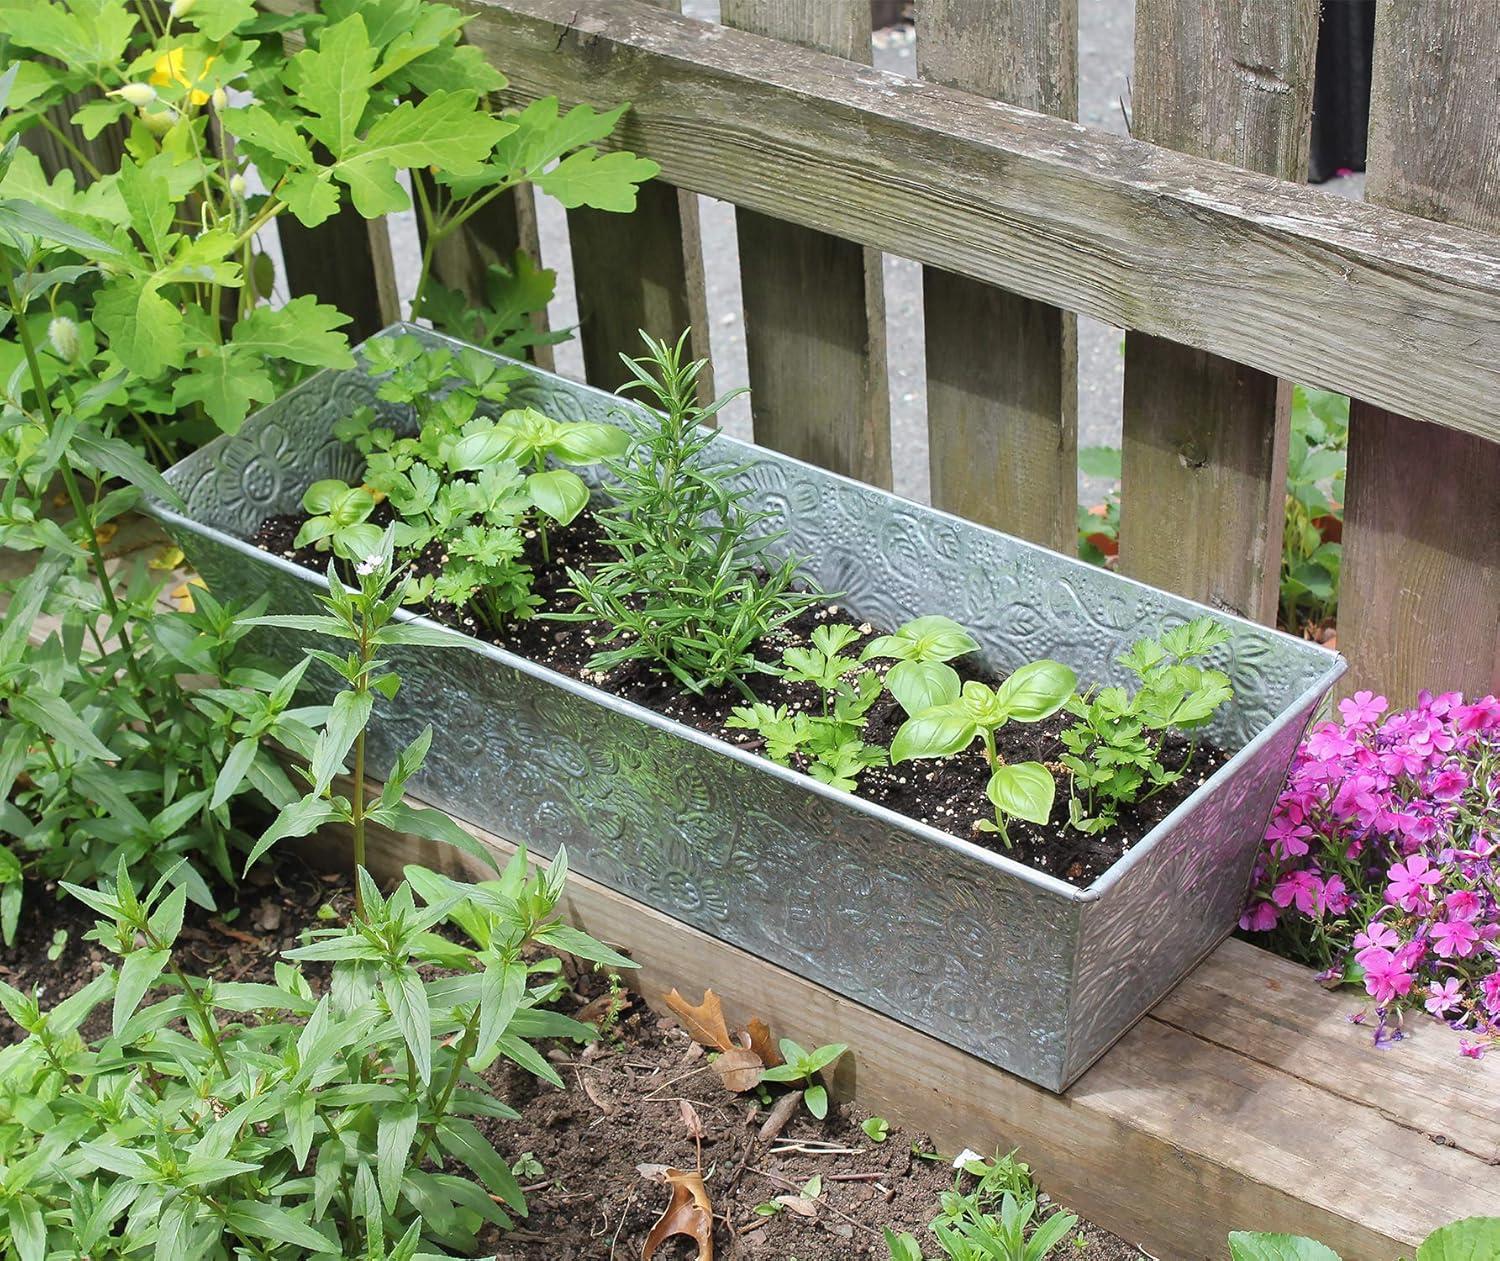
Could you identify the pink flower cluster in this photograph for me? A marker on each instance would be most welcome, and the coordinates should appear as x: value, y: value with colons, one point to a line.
x: 1382, y: 859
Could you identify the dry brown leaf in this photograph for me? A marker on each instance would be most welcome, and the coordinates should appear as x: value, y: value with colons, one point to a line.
x: 798, y: 1204
x: 781, y: 1112
x: 739, y: 1069
x: 762, y: 1043
x: 690, y: 1118
x: 705, y: 1022
x: 604, y: 1009
x: 689, y: 1214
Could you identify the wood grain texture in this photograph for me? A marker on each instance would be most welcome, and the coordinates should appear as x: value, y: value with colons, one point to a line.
x: 1392, y: 308
x: 635, y: 272
x: 1246, y: 1100
x: 492, y: 235
x: 1002, y: 370
x: 814, y: 303
x: 1203, y: 481
x: 640, y: 271
x: 1419, y: 602
x: 345, y: 261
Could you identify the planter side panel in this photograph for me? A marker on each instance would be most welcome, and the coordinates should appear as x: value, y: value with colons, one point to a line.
x: 1168, y: 910
x: 919, y: 931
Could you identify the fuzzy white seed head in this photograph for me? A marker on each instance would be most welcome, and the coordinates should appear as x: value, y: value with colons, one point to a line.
x: 220, y: 98
x: 62, y: 334
x: 237, y: 185
x: 136, y: 94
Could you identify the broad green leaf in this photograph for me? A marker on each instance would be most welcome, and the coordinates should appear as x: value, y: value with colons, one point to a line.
x: 604, y: 182
x: 268, y: 133
x: 435, y: 825
x: 347, y: 717
x: 333, y: 81
x: 137, y: 975
x: 93, y: 35
x: 417, y: 635
x: 305, y: 815
x: 119, y: 459
x: 934, y: 733
x: 53, y: 716
x: 923, y: 685
x: 218, y: 19
x: 394, y: 1133
x: 21, y: 219
x: 1036, y: 690
x: 404, y: 992
x: 232, y: 772
x: 561, y: 494
x: 257, y: 1219
x: 1472, y: 1239
x: 227, y: 382
x: 303, y: 331
x: 144, y: 329
x: 1248, y: 1246
x: 28, y: 1229
x: 1023, y: 790
x: 310, y: 196
x: 461, y: 1140
x: 816, y: 1099
x: 148, y: 202
x: 581, y: 945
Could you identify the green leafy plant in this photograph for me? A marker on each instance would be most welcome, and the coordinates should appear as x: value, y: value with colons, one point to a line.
x: 1114, y: 750
x: 961, y: 714
x: 692, y: 588
x: 876, y: 1129
x: 921, y: 649
x: 126, y: 730
x: 236, y: 1119
x: 1099, y: 525
x: 1311, y: 541
x: 998, y: 1219
x: 363, y: 616
x: 376, y: 99
x: 1470, y: 1239
x: 340, y: 519
x: 801, y: 1065
x: 830, y: 743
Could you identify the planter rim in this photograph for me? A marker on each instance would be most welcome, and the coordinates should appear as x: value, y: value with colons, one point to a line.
x: 968, y: 849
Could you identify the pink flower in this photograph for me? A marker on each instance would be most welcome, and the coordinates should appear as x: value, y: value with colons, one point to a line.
x: 1443, y: 998
x: 1376, y: 936
x: 1448, y: 785
x: 1454, y: 938
x: 1385, y: 978
x: 1336, y: 897
x: 1362, y: 709
x: 1490, y: 987
x: 1474, y: 1050
x: 1462, y: 904
x: 1260, y: 917
x: 1304, y: 888
x: 1482, y: 715
x: 1410, y: 882
x: 1288, y: 839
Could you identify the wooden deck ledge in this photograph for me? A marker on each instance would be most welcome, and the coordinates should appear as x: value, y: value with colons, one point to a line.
x: 1247, y: 1100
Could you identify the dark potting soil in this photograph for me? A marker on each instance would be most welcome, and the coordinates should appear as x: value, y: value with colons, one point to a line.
x: 948, y: 793
x: 631, y: 1101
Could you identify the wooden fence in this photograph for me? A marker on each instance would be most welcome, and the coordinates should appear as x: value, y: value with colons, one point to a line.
x: 1232, y: 278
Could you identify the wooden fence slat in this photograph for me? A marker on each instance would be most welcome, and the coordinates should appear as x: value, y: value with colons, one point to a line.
x: 814, y: 303
x: 1407, y: 311
x: 492, y: 235
x: 1419, y: 605
x: 640, y: 271
x: 346, y: 261
x: 1002, y: 370
x: 1204, y: 452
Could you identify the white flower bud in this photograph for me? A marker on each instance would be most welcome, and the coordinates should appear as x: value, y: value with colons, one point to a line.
x: 181, y: 8
x: 237, y: 185
x: 220, y: 98
x: 137, y: 94
x: 62, y: 334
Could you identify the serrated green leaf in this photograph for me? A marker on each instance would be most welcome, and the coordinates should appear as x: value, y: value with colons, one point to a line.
x: 227, y: 382
x: 602, y: 181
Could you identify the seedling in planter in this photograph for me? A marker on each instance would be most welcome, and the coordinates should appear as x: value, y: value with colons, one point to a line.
x: 340, y: 519
x: 921, y: 678
x: 1114, y: 749
x: 831, y: 741
x: 877, y: 1129
x: 532, y: 439
x: 1023, y: 790
x: 692, y: 589
x: 804, y: 1066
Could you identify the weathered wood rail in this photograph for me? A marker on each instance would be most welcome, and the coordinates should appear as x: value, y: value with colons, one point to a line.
x: 1232, y: 279
x: 1245, y: 1100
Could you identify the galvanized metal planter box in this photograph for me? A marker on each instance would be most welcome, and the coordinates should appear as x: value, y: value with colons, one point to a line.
x: 1008, y: 963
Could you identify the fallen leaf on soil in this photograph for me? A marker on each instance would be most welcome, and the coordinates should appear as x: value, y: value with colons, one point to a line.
x: 605, y: 1008
x: 762, y: 1043
x: 268, y: 917
x: 690, y: 1118
x: 705, y: 1022
x: 690, y: 1214
x: 739, y: 1069
x: 166, y: 558
x: 798, y: 1204
x: 783, y: 1111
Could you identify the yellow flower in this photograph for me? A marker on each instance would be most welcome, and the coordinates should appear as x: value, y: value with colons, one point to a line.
x: 169, y: 69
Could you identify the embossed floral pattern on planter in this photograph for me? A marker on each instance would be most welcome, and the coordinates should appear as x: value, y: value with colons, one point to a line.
x: 1005, y: 962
